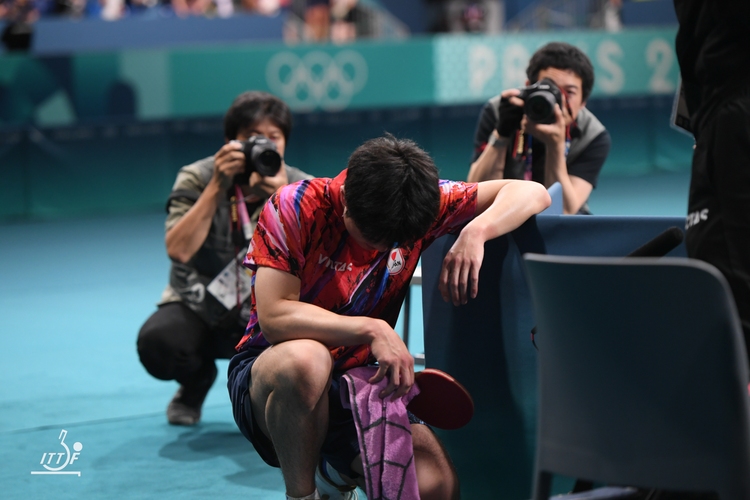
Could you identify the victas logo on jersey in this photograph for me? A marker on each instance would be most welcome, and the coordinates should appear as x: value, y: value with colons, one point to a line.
x: 395, y: 261
x: 335, y: 265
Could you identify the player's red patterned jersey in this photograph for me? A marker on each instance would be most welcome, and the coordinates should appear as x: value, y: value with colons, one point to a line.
x: 301, y: 231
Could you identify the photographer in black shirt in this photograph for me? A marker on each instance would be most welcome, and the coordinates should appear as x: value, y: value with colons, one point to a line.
x: 548, y: 141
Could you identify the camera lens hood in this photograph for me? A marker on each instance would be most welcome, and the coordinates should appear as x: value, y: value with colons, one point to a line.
x: 260, y: 156
x: 540, y: 106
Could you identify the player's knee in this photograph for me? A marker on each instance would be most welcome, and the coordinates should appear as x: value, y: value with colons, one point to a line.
x: 436, y: 474
x: 305, y: 367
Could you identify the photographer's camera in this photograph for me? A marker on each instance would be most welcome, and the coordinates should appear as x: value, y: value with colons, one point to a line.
x: 540, y: 99
x: 261, y: 156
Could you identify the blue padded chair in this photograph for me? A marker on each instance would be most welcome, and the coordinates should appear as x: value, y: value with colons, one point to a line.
x: 642, y: 375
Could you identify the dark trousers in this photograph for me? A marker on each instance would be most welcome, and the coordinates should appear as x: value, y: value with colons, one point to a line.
x: 175, y: 344
x: 719, y: 207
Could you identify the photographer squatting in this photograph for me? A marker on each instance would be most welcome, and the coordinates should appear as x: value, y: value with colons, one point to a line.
x: 205, y: 307
x: 544, y: 132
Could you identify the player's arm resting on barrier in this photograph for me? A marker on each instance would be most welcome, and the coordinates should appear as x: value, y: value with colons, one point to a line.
x: 188, y: 234
x: 502, y: 206
x: 284, y: 317
x: 575, y: 190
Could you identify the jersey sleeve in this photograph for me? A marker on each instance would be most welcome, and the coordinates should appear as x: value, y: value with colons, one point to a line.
x: 278, y: 240
x: 458, y: 205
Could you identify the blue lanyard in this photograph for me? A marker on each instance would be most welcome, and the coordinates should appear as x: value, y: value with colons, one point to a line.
x: 527, y: 174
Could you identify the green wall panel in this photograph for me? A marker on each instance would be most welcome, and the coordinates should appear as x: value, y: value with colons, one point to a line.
x: 325, y: 77
x: 107, y: 131
x: 202, y: 81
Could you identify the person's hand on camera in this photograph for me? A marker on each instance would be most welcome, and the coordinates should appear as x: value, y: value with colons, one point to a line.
x: 551, y: 134
x: 262, y: 187
x: 510, y: 113
x: 228, y: 162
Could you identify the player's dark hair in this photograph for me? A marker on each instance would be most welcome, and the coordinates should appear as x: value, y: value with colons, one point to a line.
x: 562, y: 55
x: 391, y: 190
x: 251, y: 108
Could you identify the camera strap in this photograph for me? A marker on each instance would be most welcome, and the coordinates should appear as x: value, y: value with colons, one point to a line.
x: 527, y: 159
x: 523, y: 149
x: 244, y: 217
x: 242, y: 231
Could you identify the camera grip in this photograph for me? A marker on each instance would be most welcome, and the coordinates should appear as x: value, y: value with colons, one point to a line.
x: 509, y: 118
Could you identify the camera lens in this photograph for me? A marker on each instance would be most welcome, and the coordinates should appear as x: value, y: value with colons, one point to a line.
x: 539, y: 106
x: 260, y: 156
x: 267, y: 161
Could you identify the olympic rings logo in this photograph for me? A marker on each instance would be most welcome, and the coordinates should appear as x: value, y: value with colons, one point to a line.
x: 317, y: 79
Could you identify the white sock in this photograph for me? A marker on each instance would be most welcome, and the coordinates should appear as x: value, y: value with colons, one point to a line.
x: 312, y: 496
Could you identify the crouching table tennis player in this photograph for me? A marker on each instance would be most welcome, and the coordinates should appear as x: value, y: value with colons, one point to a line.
x: 333, y: 259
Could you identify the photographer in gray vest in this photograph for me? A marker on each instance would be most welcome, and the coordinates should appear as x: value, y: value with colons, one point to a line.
x: 543, y: 132
x: 212, y: 211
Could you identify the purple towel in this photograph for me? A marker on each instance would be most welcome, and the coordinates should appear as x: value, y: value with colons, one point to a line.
x: 384, y: 436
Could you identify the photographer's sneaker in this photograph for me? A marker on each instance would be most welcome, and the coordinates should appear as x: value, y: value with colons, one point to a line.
x: 185, y: 407
x: 328, y: 488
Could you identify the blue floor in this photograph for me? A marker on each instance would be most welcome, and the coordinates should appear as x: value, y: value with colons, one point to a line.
x: 73, y: 295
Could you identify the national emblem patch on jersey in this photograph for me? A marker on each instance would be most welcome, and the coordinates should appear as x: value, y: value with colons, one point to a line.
x: 395, y: 261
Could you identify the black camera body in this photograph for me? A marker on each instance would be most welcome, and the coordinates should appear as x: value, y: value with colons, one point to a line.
x: 539, y: 100
x: 261, y: 156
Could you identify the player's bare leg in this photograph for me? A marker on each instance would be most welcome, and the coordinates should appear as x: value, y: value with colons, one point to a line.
x: 289, y: 395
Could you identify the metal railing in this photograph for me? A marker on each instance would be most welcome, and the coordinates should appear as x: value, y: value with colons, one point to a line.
x: 416, y: 279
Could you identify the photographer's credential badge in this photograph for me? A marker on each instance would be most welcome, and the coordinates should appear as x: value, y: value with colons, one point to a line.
x: 224, y: 286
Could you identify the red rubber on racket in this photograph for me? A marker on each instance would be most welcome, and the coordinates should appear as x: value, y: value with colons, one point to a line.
x: 442, y: 401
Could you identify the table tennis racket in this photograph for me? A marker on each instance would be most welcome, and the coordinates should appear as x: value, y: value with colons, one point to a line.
x: 442, y: 401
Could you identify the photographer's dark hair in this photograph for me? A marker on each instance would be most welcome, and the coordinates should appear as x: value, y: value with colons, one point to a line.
x: 250, y: 108
x: 562, y: 55
x: 391, y: 190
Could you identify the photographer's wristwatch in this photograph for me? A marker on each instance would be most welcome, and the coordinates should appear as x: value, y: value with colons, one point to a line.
x: 498, y: 142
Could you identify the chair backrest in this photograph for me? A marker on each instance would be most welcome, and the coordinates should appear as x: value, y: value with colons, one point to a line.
x: 642, y: 375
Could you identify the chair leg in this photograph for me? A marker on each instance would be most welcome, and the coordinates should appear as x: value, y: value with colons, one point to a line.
x: 542, y: 485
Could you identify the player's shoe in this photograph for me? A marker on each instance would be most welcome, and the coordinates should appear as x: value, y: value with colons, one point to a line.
x: 328, y: 489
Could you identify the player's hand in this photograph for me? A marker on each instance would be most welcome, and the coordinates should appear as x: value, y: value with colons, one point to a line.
x: 394, y: 360
x: 459, y: 277
x: 228, y: 162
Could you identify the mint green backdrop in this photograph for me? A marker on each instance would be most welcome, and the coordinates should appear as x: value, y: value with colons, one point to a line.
x: 106, y: 132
